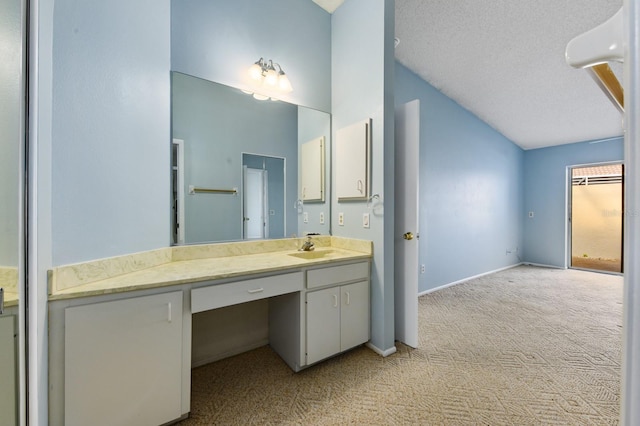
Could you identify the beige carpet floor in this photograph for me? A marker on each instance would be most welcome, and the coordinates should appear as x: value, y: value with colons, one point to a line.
x: 525, y: 346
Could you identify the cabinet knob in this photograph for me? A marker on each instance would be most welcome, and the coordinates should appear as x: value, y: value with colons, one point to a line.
x: 408, y: 236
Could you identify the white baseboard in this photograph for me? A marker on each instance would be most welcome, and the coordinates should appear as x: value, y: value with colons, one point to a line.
x: 383, y: 353
x: 470, y: 278
x: 543, y: 265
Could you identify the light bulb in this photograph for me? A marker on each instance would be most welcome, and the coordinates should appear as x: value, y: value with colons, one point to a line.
x: 283, y: 83
x: 271, y: 78
x: 255, y: 71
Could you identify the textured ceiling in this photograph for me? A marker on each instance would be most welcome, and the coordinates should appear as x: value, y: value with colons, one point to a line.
x: 504, y: 61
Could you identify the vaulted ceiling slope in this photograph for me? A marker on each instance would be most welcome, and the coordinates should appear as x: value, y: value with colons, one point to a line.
x: 503, y: 60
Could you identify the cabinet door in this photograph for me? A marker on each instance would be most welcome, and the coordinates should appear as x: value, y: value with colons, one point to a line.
x: 123, y: 361
x: 353, y: 145
x: 323, y: 324
x: 354, y: 315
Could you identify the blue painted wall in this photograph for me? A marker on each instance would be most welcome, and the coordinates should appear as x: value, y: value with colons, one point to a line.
x: 471, y: 188
x: 218, y: 124
x: 545, y: 188
x: 362, y: 77
x: 110, y: 128
x: 219, y: 40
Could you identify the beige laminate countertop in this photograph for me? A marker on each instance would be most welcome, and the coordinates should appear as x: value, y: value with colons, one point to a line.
x: 10, y: 299
x: 175, y: 272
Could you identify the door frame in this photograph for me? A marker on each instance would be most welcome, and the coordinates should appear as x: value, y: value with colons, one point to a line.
x: 568, y: 215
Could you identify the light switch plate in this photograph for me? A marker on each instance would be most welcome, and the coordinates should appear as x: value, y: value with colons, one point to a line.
x: 341, y: 219
x: 530, y: 214
x: 365, y: 220
x: 305, y: 217
x: 321, y: 218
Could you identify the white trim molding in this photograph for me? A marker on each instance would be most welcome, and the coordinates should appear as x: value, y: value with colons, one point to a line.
x: 384, y: 353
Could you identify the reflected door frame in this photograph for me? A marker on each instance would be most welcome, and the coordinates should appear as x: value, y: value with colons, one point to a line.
x: 569, y: 215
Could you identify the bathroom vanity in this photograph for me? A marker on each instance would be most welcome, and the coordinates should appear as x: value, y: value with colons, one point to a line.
x: 121, y: 329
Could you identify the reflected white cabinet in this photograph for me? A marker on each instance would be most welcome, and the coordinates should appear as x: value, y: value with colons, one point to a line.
x: 7, y: 370
x: 312, y: 170
x: 337, y: 320
x: 123, y: 361
x: 353, y: 156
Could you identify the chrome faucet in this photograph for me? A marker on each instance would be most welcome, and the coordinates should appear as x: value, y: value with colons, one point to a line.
x: 307, y: 245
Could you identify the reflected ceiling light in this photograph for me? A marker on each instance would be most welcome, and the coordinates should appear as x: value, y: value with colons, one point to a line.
x: 265, y: 74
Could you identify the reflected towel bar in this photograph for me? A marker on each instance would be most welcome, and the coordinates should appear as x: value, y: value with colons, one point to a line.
x: 194, y: 190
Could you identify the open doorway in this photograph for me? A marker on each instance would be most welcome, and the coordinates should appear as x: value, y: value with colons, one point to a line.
x: 595, y: 215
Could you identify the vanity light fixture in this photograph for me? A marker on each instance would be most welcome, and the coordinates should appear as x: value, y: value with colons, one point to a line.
x: 265, y: 74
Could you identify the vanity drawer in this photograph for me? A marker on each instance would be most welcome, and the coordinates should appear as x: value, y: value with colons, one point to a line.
x: 337, y: 274
x: 217, y: 296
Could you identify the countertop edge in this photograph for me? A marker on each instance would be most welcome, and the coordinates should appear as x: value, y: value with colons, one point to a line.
x: 81, y: 291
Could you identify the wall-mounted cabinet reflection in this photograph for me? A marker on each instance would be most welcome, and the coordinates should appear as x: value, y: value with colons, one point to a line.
x: 353, y: 161
x: 312, y: 170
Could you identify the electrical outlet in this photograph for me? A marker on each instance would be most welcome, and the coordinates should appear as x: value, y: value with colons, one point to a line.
x: 422, y: 269
x: 341, y: 219
x: 365, y: 220
x: 305, y: 217
x: 272, y: 212
x: 321, y: 218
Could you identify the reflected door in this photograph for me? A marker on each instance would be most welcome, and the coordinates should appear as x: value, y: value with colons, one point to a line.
x: 255, y: 203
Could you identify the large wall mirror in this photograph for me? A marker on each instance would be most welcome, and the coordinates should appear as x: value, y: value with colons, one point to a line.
x: 12, y: 106
x: 238, y: 169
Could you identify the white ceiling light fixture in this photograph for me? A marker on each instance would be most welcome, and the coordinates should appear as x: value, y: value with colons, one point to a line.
x: 265, y: 75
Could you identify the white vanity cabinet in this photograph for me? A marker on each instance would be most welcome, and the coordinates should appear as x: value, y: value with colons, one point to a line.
x: 337, y: 320
x: 337, y: 317
x: 333, y: 311
x: 123, y: 361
